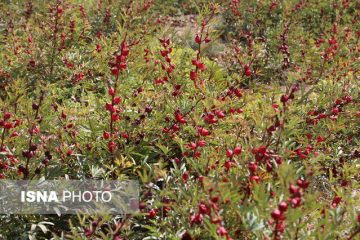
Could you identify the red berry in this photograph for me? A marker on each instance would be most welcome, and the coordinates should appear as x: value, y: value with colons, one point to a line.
x: 203, y: 208
x: 229, y: 153
x: 255, y: 179
x: 335, y: 111
x: 106, y: 135
x: 237, y: 150
x: 122, y: 65
x: 111, y: 91
x: 201, y: 66
x: 347, y: 98
x: 201, y: 178
x: 115, y: 117
x: 125, y: 135
x: 59, y: 10
x: 125, y: 51
x: 117, y: 100
x: 295, y: 202
x: 111, y: 146
x: 221, y: 231
x: 193, y: 75
x: 215, y: 199
x: 248, y: 72
x: 220, y: 114
x: 284, y: 98
x: 276, y: 214
x: 228, y: 164
x: 293, y: 189
x: 197, y: 39
x: 175, y: 127
x: 8, y: 125
x: 238, y: 92
x: 185, y: 176
x: 177, y: 160
x: 180, y: 118
x: 203, y: 132
x: 115, y: 71
x: 98, y: 47
x: 252, y: 167
x: 283, y: 206
x: 69, y: 152
x: 302, y: 183
x: 338, y: 101
x: 201, y: 143
x: 7, y: 115
x: 88, y: 146
x: 152, y: 213
x: 336, y: 201
x: 322, y: 115
x: 239, y: 110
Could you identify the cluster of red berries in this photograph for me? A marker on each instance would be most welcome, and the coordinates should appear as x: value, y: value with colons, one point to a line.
x: 168, y: 66
x: 230, y: 162
x: 115, y: 116
x: 78, y: 77
x: 330, y: 52
x: 304, y: 152
x: 148, y: 4
x: 6, y: 124
x: 250, y: 44
x: 112, y: 107
x: 147, y: 52
x: 336, y: 201
x: 294, y: 201
x: 68, y: 64
x: 199, y: 66
x: 202, y: 132
x: 247, y: 70
x: 213, y: 116
x: 210, y: 209
x: 297, y: 192
x: 179, y: 118
x: 118, y: 63
x: 284, y: 48
x: 7, y: 159
x: 263, y: 156
x: 237, y: 110
x: 276, y: 125
x: 231, y: 92
x: 199, y: 39
x: 286, y: 97
x: 331, y: 113
x: 234, y: 6
x: 279, y: 219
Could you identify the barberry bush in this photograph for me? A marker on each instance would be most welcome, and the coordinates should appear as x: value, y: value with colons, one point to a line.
x: 240, y: 119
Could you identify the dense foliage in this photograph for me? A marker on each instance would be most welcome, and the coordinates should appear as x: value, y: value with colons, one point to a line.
x: 240, y: 119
